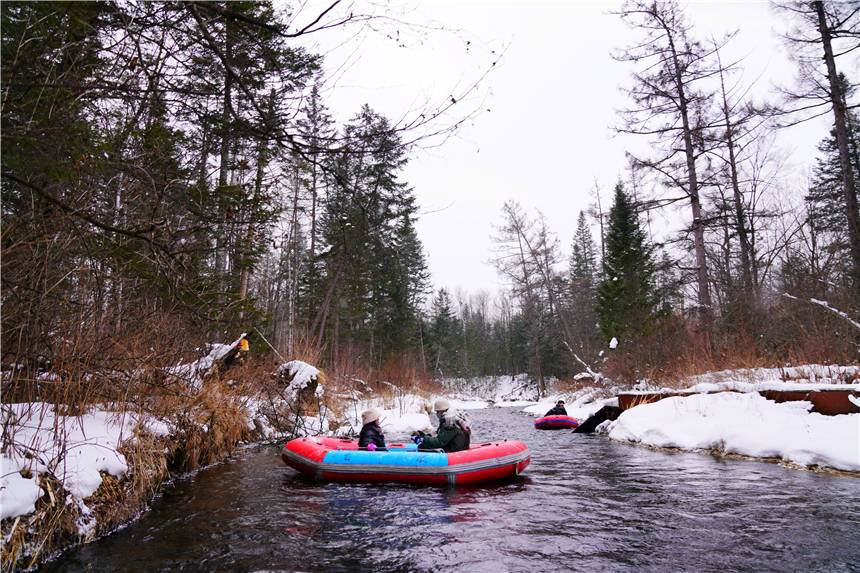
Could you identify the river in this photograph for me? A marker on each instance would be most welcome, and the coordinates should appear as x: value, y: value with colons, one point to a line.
x: 584, y: 503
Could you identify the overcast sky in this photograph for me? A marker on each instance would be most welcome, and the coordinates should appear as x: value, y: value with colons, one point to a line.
x: 546, y: 140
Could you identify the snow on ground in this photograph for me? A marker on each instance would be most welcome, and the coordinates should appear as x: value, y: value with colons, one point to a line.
x: 499, y: 390
x: 580, y: 404
x: 192, y: 373
x: 740, y: 422
x: 400, y: 416
x: 73, y: 448
x: 301, y: 374
x: 808, y: 376
x: 746, y: 424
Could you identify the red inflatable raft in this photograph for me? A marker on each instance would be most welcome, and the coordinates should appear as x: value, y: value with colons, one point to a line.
x: 339, y: 459
x: 556, y: 422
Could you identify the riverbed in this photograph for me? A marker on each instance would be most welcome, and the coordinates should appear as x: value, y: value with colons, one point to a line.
x: 585, y: 503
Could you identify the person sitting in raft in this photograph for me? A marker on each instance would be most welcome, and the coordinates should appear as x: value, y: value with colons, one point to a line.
x: 371, y: 436
x: 557, y: 410
x: 454, y: 433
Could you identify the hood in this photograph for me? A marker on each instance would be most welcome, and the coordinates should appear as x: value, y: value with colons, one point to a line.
x: 454, y: 416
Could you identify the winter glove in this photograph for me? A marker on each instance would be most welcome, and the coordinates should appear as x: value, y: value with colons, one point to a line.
x: 417, y: 437
x: 371, y: 447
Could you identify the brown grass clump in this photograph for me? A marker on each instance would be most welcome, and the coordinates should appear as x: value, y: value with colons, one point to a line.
x: 54, y: 525
x: 205, y: 426
x: 50, y: 528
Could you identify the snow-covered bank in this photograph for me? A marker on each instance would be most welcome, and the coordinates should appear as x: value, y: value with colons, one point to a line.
x: 726, y: 413
x: 74, y: 449
x: 740, y: 422
x: 746, y: 424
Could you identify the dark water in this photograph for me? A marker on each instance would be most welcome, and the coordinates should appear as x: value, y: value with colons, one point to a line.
x: 584, y: 504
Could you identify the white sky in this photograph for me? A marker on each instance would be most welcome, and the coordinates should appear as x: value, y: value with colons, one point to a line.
x: 547, y: 138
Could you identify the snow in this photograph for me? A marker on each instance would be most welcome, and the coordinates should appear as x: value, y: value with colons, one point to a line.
x: 580, y: 405
x: 725, y: 412
x: 494, y: 389
x: 19, y: 494
x: 75, y: 449
x: 746, y: 424
x: 825, y: 304
x: 78, y: 449
x: 301, y: 374
x: 193, y: 372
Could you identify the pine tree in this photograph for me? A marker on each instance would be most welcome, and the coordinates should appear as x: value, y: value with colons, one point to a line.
x: 376, y: 273
x: 829, y: 264
x: 825, y: 198
x: 583, y: 282
x: 317, y: 132
x: 444, y: 336
x: 626, y: 301
x: 57, y: 218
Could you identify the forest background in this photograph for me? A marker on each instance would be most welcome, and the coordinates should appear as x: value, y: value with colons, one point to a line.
x: 172, y: 176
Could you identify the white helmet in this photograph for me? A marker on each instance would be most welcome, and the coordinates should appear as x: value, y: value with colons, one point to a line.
x: 441, y: 404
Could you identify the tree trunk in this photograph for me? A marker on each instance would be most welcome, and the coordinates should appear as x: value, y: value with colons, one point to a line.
x: 293, y: 286
x: 532, y: 312
x: 224, y: 167
x: 740, y: 225
x: 841, y: 126
x: 704, y: 293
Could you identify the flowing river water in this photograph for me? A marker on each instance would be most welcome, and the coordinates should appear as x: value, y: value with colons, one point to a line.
x: 584, y: 503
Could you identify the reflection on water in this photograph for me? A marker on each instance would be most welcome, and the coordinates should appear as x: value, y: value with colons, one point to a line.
x: 583, y: 504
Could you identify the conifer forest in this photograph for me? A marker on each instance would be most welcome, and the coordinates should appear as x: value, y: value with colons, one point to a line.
x: 173, y: 175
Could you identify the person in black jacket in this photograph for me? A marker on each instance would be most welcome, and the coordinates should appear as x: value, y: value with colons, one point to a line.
x: 371, y: 436
x: 557, y: 410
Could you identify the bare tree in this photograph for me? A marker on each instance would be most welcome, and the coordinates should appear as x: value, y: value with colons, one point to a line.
x: 515, y: 262
x: 670, y: 106
x: 827, y: 32
x: 736, y: 119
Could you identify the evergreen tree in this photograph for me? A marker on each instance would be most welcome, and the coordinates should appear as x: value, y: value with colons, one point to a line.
x: 825, y: 198
x: 253, y: 107
x: 583, y: 259
x: 317, y: 131
x: 626, y: 301
x: 827, y: 34
x: 818, y: 264
x: 582, y: 280
x: 444, y: 337
x: 376, y: 274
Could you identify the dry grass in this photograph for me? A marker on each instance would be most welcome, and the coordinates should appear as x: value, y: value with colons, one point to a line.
x: 791, y: 333
x: 206, y: 426
x: 53, y: 526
